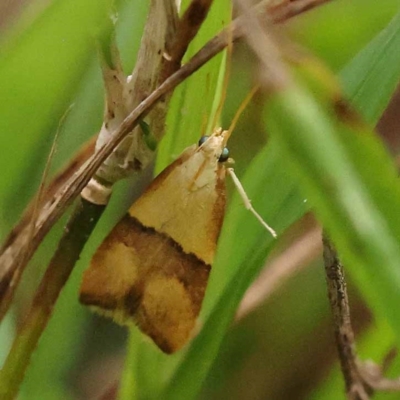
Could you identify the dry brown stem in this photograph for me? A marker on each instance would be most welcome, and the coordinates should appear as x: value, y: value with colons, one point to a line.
x: 361, y: 378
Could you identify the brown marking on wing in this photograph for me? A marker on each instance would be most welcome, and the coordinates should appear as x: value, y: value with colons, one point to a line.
x: 156, y: 275
x: 144, y: 276
x: 132, y: 299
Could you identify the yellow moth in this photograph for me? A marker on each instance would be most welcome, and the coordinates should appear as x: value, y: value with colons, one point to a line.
x: 153, y: 267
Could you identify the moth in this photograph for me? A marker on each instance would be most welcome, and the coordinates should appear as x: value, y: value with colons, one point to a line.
x: 152, y: 269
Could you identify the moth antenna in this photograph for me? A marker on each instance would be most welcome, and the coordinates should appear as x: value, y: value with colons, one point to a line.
x: 242, y: 107
x: 225, y: 83
x: 206, y: 116
x: 247, y: 201
x: 203, y: 129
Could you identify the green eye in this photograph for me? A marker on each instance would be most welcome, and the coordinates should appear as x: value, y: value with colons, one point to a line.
x: 203, y: 139
x: 224, y: 155
x: 225, y: 152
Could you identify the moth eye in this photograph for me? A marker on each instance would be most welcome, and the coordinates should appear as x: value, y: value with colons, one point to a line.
x: 224, y: 155
x: 203, y: 139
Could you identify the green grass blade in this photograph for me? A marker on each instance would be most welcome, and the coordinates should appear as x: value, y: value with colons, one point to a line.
x: 353, y: 186
x: 372, y: 93
x: 40, y: 70
x: 337, y: 44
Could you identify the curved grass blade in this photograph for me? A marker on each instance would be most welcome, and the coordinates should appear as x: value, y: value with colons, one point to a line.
x: 353, y: 186
x: 371, y: 94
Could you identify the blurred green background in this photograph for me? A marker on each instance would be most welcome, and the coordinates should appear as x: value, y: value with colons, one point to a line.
x: 281, y: 345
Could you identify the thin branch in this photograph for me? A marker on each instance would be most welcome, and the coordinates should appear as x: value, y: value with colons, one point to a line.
x: 291, y: 8
x: 186, y: 30
x: 374, y: 374
x: 56, y: 184
x: 13, y: 255
x: 356, y: 387
x: 361, y: 378
x: 9, y: 283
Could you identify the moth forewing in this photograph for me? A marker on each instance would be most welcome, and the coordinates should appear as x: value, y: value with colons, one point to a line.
x: 153, y: 267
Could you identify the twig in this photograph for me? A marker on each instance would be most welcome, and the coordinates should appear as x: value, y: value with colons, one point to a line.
x: 9, y: 279
x: 290, y: 8
x: 57, y: 183
x: 10, y: 283
x: 373, y: 374
x: 12, y: 256
x: 356, y: 387
x: 186, y: 30
x: 361, y: 378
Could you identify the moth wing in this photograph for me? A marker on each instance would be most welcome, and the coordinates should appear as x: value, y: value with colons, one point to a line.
x: 140, y: 276
x: 187, y: 203
x: 152, y: 270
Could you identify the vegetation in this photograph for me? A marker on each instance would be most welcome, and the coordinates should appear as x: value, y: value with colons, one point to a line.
x: 295, y: 150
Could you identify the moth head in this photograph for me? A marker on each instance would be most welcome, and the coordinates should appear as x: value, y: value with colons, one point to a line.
x: 216, y: 144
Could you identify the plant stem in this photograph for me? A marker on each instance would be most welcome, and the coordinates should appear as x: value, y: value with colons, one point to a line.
x: 356, y: 387
x: 77, y: 231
